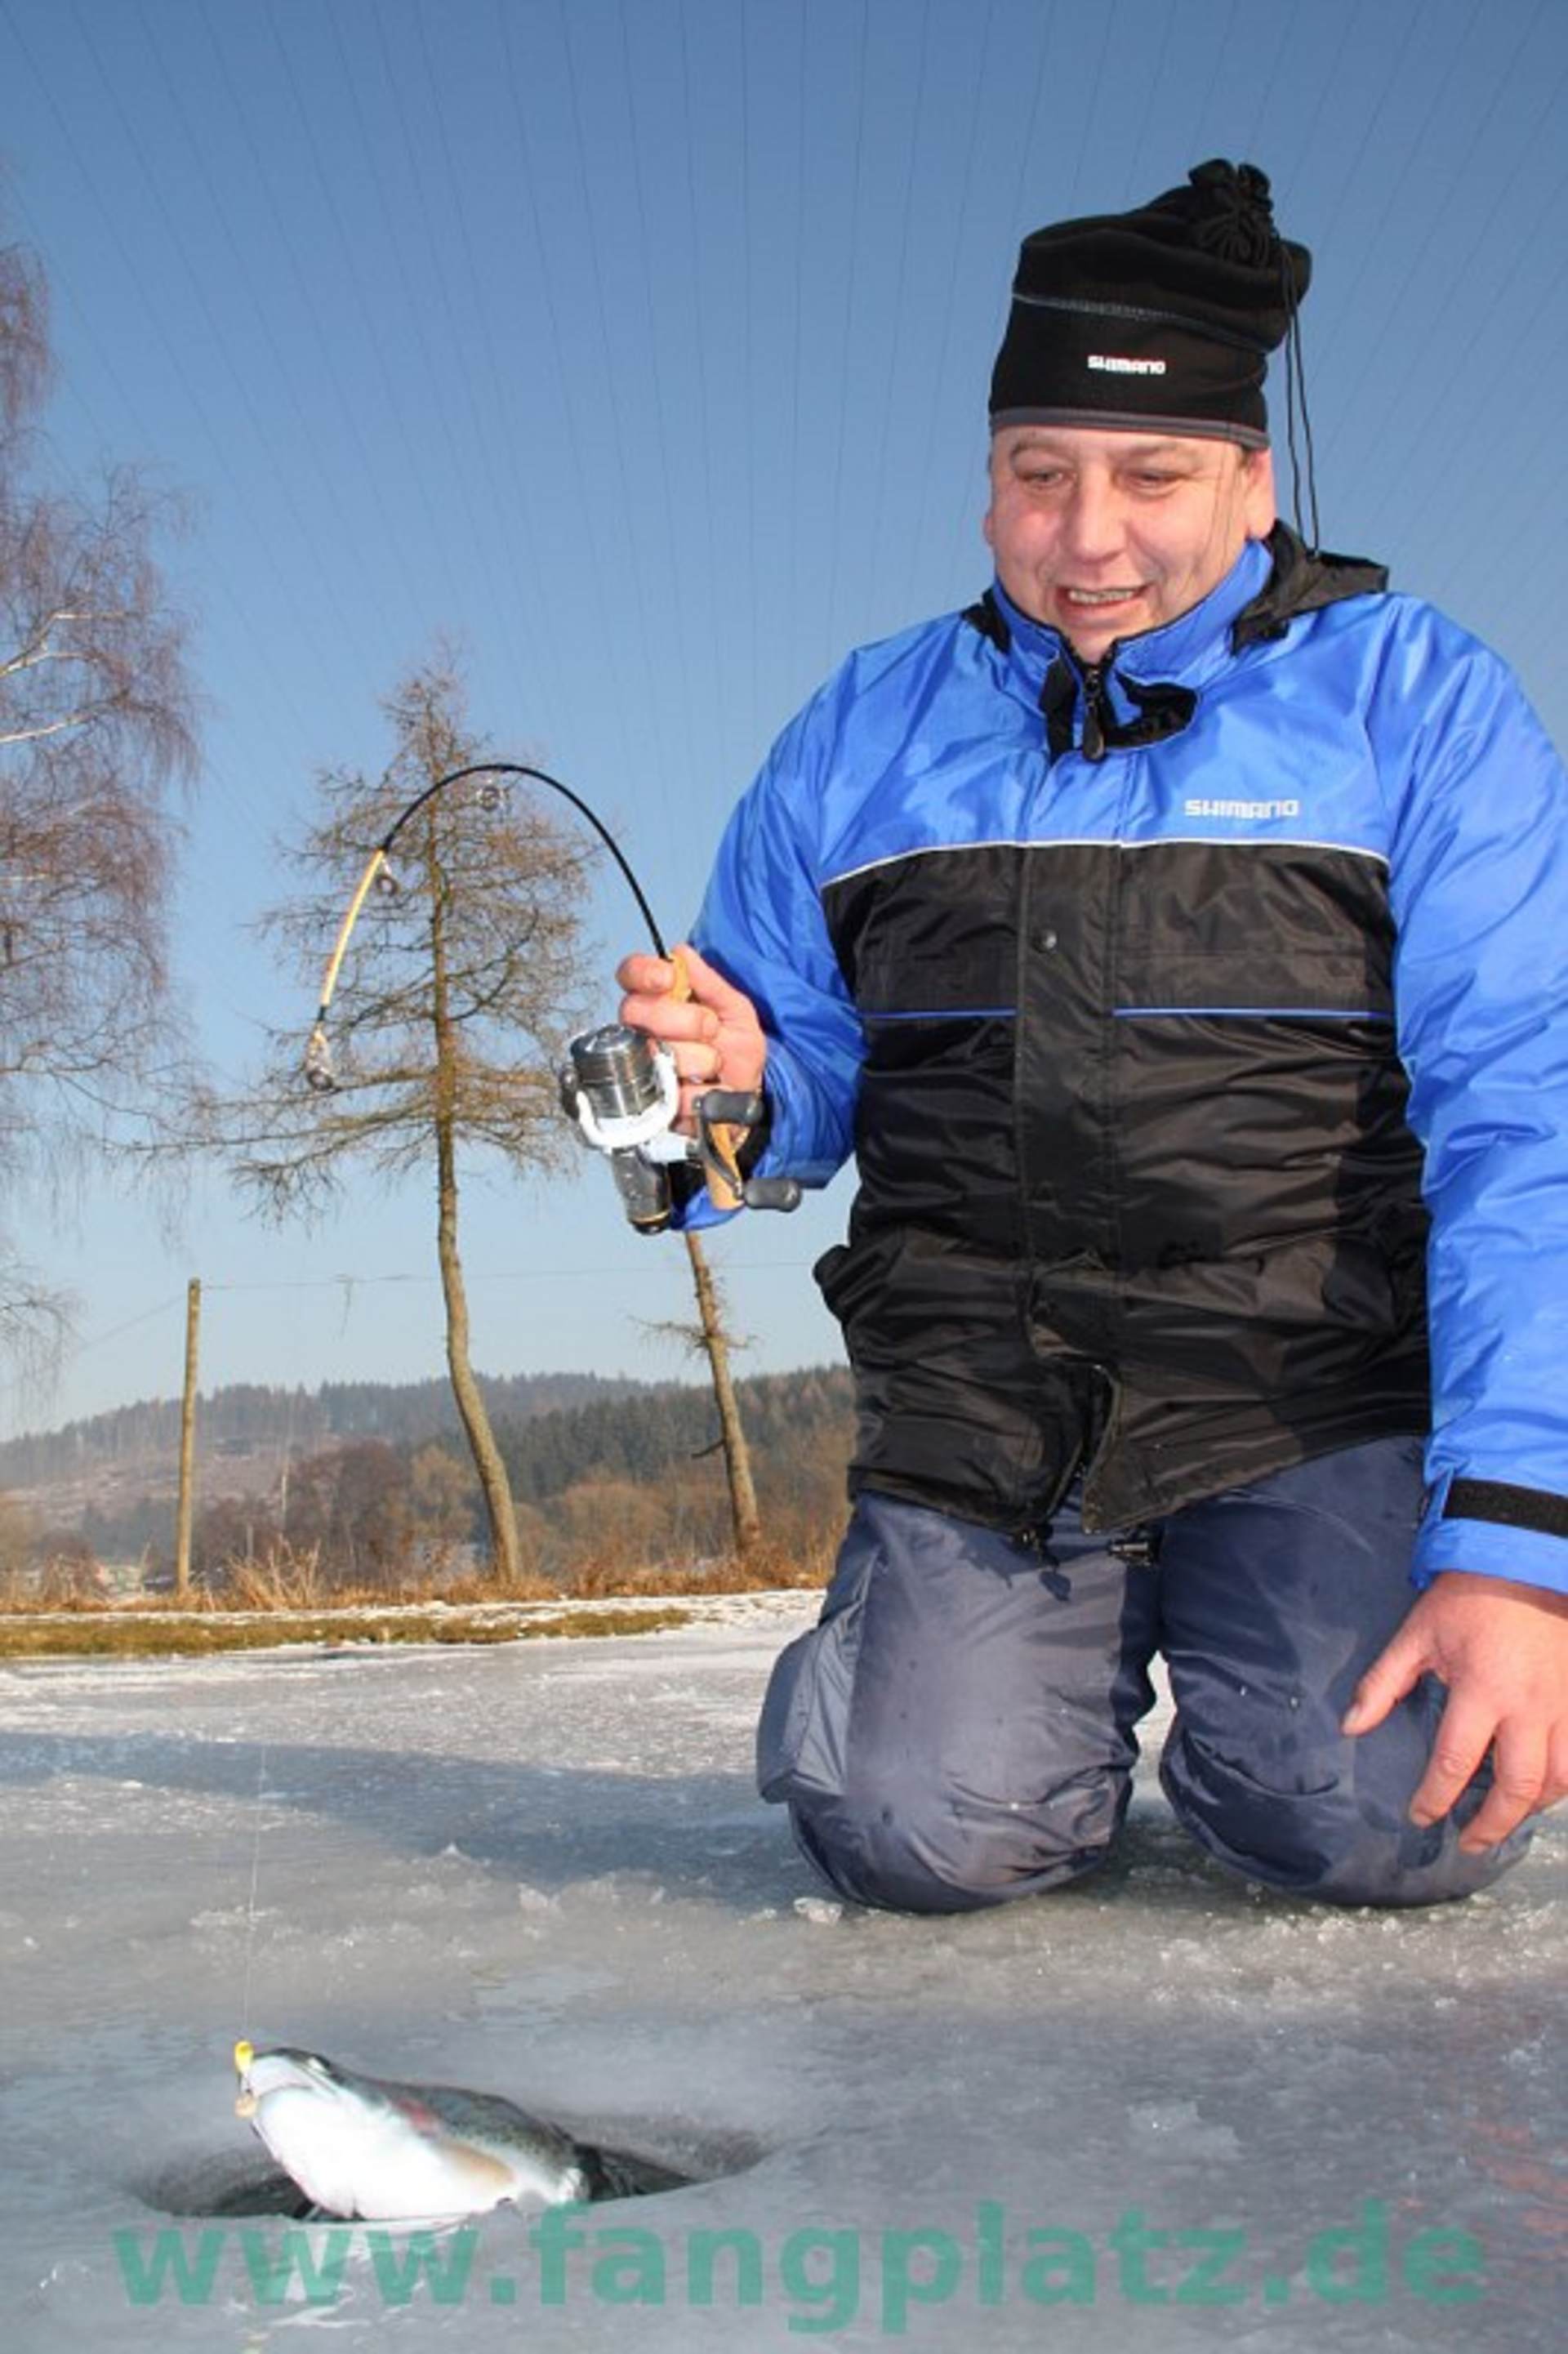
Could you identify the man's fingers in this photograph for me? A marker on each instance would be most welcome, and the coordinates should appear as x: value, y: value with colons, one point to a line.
x: 684, y: 973
x: 1391, y: 1675
x: 1556, y: 1788
x: 650, y: 1005
x: 662, y: 1017
x: 700, y: 1009
x: 1518, y: 1787
x: 646, y: 976
x: 713, y: 1026
x: 697, y: 1066
x: 709, y: 987
x: 1463, y: 1735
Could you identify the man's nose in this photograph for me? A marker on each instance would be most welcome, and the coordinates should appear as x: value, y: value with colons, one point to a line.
x: 1092, y: 529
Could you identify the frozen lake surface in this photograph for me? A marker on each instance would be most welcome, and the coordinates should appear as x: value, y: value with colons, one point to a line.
x: 540, y: 1869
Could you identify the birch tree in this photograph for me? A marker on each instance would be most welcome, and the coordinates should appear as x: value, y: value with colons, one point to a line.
x: 96, y: 725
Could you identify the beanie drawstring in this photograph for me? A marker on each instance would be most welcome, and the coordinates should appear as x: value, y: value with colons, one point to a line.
x: 1296, y: 394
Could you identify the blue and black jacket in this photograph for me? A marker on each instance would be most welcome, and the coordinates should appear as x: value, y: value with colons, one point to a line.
x: 1197, y: 1022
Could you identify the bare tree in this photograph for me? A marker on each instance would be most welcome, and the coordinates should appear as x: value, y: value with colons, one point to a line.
x: 448, y: 1023
x: 96, y: 725
x: 712, y: 1337
x: 717, y: 1341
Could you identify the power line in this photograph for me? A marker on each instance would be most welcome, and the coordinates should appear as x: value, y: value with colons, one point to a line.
x: 677, y: 585
x: 414, y: 473
x: 939, y: 375
x: 151, y: 312
x: 1456, y: 176
x: 607, y: 645
x: 650, y: 700
x: 245, y: 275
x: 1346, y: 177
x: 450, y: 382
x: 829, y: 603
x: 1092, y: 108
x: 1224, y: 50
x: 544, y: 624
x: 475, y: 1277
x: 280, y: 472
x: 236, y: 805
x: 896, y: 335
x: 477, y: 1280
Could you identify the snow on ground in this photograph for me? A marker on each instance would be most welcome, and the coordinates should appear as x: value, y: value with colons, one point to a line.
x: 541, y: 1870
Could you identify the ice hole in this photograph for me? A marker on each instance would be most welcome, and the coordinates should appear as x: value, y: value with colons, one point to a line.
x: 222, y: 2184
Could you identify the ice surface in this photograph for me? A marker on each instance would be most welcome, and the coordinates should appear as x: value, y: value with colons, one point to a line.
x: 540, y: 1869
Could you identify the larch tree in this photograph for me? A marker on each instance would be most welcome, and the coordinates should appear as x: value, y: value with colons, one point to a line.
x: 711, y: 1336
x: 452, y: 1008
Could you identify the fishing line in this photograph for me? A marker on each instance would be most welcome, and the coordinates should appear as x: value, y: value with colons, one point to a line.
x: 255, y: 1874
x: 319, y: 1073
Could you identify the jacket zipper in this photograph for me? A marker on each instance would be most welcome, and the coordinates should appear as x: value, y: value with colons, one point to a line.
x: 1097, y: 711
x: 1094, y: 713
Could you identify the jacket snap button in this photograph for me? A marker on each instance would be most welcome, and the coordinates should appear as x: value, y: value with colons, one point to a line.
x: 1044, y: 940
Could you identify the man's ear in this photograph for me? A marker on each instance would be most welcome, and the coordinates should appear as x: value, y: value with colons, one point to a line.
x: 988, y: 535
x: 1260, y: 504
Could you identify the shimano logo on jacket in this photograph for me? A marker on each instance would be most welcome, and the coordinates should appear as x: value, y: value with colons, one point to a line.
x: 1201, y: 807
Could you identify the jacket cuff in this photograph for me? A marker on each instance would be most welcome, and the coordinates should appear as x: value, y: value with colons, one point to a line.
x: 792, y: 1149
x: 1494, y: 1529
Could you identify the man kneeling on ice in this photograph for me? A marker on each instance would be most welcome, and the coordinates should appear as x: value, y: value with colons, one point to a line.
x: 1178, y: 937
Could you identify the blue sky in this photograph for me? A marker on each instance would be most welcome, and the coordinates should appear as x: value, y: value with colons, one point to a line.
x: 642, y: 347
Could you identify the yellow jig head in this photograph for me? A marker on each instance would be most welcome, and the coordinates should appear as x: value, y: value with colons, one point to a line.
x: 246, y: 2105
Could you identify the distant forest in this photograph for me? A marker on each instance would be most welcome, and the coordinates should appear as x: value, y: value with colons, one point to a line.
x: 249, y: 1416
x: 373, y: 1480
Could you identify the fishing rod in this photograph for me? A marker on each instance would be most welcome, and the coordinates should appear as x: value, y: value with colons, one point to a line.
x: 618, y: 1085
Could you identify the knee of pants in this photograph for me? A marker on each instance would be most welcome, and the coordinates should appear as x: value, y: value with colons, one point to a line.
x: 1328, y: 1835
x: 878, y: 1847
x: 941, y: 1742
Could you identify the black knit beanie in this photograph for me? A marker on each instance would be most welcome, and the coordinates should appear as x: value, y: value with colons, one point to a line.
x: 1166, y: 316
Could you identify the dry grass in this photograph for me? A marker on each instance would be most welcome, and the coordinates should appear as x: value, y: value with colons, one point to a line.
x: 476, y: 1587
x: 137, y: 1635
x: 58, y: 1585
x: 298, y: 1602
x: 763, y: 1572
x: 289, y: 1577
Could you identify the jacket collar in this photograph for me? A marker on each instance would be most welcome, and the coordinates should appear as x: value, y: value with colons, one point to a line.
x: 1186, y: 650
x: 1146, y: 687
x: 1303, y: 580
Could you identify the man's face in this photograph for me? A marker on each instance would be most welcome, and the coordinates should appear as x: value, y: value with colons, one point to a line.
x: 1102, y: 535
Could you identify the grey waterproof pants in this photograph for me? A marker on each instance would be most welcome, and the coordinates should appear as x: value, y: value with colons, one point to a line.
x: 959, y: 1727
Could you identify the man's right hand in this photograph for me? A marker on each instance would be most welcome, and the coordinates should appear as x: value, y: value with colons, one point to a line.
x: 715, y: 1034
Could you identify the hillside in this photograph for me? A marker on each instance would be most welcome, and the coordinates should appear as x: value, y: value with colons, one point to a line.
x: 367, y: 1477
x: 248, y: 1433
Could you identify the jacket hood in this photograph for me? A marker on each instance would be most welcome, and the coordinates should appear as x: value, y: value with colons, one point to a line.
x: 1303, y: 580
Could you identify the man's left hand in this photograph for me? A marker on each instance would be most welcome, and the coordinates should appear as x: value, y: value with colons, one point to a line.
x: 1501, y: 1649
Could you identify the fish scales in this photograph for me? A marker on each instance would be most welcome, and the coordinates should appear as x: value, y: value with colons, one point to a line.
x: 386, y: 2151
